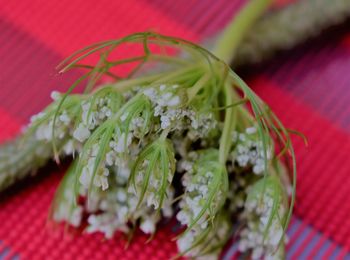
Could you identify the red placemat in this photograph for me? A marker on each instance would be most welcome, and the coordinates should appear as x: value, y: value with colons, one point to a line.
x: 309, y: 88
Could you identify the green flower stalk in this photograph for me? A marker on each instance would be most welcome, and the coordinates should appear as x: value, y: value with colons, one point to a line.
x: 19, y: 159
x: 286, y: 28
x: 131, y: 136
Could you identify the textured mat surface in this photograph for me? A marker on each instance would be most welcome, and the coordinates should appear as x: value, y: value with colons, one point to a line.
x: 309, y: 88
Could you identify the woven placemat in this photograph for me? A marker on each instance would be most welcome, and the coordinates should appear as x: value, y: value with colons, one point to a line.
x: 309, y: 88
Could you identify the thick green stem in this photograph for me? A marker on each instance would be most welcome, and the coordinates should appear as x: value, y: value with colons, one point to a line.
x: 235, y: 31
x: 225, y: 49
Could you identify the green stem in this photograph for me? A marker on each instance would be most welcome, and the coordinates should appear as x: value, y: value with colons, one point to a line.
x: 235, y: 31
x: 229, y: 125
x: 225, y: 49
x: 125, y: 85
x: 192, y: 92
x: 175, y: 74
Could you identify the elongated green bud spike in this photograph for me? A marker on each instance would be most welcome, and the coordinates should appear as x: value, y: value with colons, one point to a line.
x: 21, y: 159
x: 284, y: 29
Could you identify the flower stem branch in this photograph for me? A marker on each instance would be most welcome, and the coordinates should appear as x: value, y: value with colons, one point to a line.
x: 235, y: 31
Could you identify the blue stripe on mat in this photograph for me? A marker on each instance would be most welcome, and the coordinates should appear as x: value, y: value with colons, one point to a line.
x: 5, y: 252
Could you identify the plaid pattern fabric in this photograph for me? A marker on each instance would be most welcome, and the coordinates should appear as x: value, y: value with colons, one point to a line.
x: 308, y: 88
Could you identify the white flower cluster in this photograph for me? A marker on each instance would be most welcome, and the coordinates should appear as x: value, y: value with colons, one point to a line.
x: 115, y: 208
x: 120, y: 144
x: 196, y: 194
x: 44, y: 130
x: 168, y: 106
x: 118, y: 207
x: 66, y: 210
x: 249, y: 150
x: 63, y: 127
x: 260, y: 218
x: 193, y: 210
x: 87, y: 175
x: 216, y: 233
x: 121, y: 151
x: 165, y: 104
x: 138, y: 127
x: 129, y: 155
x: 154, y: 183
x: 201, y: 124
x: 93, y: 114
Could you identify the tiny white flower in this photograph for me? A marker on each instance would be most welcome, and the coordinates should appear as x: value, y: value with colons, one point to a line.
x: 148, y: 226
x: 185, y: 242
x: 44, y: 132
x: 81, y: 133
x: 259, y: 168
x: 242, y: 245
x: 85, y: 177
x: 65, y: 118
x: 158, y: 111
x: 68, y: 148
x: 122, y: 143
x: 76, y: 216
x: 165, y: 122
x: 167, y: 210
x: 183, y: 217
x: 37, y: 116
x: 110, y: 158
x: 204, y: 224
x: 276, y: 235
x: 257, y: 252
x: 85, y: 106
x: 152, y: 201
x: 194, y: 123
x: 250, y: 130
x: 174, y: 101
x: 121, y: 196
x: 101, y: 180
x: 203, y: 189
x: 165, y: 98
x: 242, y: 137
x: 150, y: 92
x: 55, y: 95
x: 123, y: 172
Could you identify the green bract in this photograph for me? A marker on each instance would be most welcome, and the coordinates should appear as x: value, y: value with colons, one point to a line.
x: 153, y: 172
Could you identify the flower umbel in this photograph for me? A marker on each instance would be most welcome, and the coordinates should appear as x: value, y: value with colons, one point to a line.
x: 135, y: 136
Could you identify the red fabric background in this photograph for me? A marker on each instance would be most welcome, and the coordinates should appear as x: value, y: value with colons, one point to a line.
x: 309, y: 88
